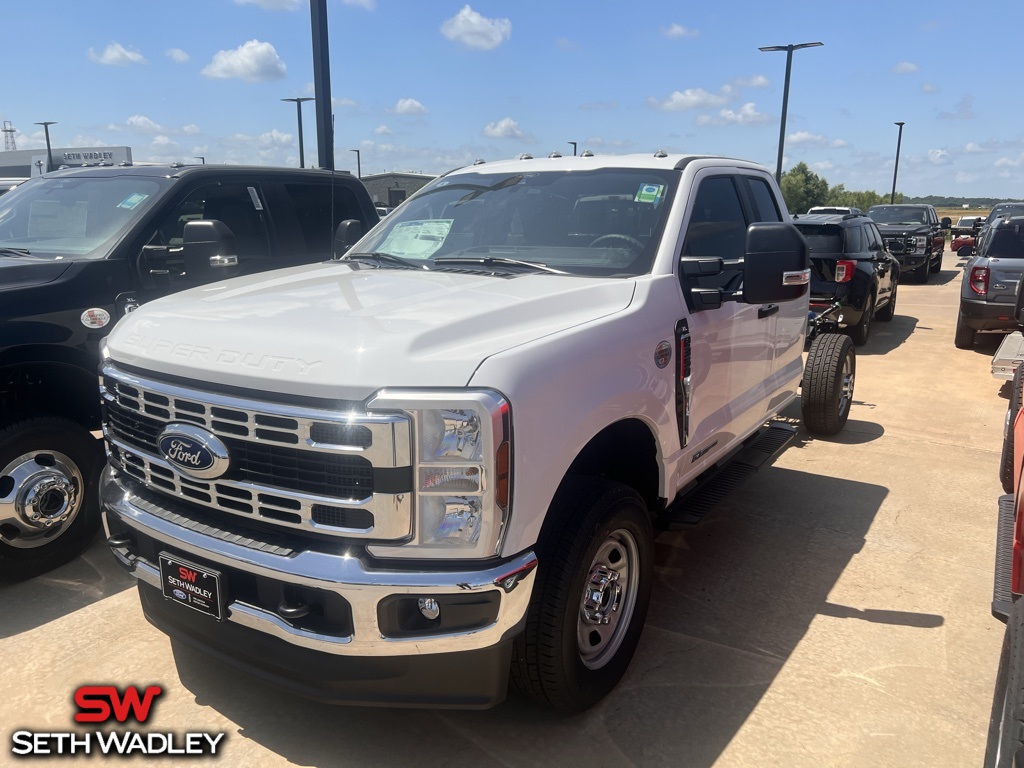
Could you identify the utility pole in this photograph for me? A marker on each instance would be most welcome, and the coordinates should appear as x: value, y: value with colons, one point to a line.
x: 895, y: 170
x: 322, y: 83
x: 298, y: 111
x: 785, y: 94
x: 49, y: 155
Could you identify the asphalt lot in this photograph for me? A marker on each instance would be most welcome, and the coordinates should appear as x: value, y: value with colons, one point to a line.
x: 832, y: 611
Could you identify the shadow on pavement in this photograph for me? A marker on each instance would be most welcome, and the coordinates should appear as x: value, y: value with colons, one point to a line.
x: 885, y: 337
x: 987, y: 343
x: 732, y: 599
x: 944, y: 277
x: 85, y: 580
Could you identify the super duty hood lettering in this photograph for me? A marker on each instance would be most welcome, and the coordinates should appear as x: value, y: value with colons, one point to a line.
x: 226, y: 357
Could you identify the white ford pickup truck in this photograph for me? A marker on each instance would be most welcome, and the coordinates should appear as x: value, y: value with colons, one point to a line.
x: 436, y: 462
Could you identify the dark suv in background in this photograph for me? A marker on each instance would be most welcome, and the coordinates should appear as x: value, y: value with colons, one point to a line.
x: 914, y: 235
x: 989, y: 288
x: 850, y: 264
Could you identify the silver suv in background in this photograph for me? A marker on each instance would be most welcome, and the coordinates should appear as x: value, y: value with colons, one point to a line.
x: 989, y: 288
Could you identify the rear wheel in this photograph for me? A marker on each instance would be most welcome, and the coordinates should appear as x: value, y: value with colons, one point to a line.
x: 888, y: 312
x: 1006, y: 464
x: 963, y: 337
x: 49, y: 508
x: 860, y: 332
x: 826, y: 393
x: 590, y: 601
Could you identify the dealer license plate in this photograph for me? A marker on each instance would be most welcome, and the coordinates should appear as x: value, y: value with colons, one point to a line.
x: 192, y: 585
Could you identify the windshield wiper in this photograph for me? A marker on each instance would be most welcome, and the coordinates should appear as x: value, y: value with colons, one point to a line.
x: 489, y: 261
x: 382, y: 258
x: 5, y: 251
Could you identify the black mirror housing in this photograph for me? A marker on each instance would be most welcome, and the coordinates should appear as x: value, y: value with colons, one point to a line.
x: 346, y: 235
x: 946, y: 222
x: 776, y: 267
x: 208, y: 245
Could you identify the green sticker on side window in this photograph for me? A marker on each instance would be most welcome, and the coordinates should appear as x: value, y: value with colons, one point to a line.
x: 649, y: 193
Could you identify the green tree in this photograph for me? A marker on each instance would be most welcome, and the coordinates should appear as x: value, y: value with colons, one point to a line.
x: 802, y: 188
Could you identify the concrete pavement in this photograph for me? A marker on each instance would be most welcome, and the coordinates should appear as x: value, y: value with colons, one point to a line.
x: 832, y: 611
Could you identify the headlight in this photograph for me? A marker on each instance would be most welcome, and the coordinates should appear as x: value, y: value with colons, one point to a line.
x: 919, y: 243
x: 462, y: 468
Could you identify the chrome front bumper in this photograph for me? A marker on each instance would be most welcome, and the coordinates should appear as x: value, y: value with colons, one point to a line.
x: 348, y: 576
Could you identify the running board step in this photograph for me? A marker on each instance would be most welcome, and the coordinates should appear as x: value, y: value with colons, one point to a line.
x: 1002, y: 597
x: 690, y: 508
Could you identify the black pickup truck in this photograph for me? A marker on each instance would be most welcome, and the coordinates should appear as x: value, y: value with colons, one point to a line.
x: 914, y: 235
x: 81, y: 247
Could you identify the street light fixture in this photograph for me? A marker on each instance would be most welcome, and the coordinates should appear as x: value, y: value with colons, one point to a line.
x: 200, y: 158
x: 49, y: 155
x: 895, y: 170
x: 785, y: 93
x: 298, y: 111
x: 359, y: 164
x: 573, y: 147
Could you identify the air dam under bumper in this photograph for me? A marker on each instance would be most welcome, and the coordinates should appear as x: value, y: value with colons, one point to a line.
x: 376, y: 651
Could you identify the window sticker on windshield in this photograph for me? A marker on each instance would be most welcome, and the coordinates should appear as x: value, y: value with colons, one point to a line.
x: 416, y: 239
x: 649, y: 193
x: 132, y: 201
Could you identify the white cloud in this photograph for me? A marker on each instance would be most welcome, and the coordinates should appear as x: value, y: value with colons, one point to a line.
x: 343, y: 102
x: 275, y: 138
x: 367, y: 4
x: 475, y: 31
x: 905, y: 68
x: 929, y: 88
x: 164, y: 141
x: 191, y: 129
x: 973, y: 149
x: 824, y: 165
x: 691, y: 98
x: 381, y: 130
x: 114, y: 127
x: 962, y: 111
x: 144, y: 124
x: 117, y: 55
x: 409, y: 107
x: 939, y: 157
x: 678, y: 30
x: 815, y: 140
x: 177, y: 55
x: 272, y: 5
x: 83, y: 140
x: 745, y: 115
x: 506, y: 128
x: 253, y: 61
x: 757, y: 81
x: 1007, y: 162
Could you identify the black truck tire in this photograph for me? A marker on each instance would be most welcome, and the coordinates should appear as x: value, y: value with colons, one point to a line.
x: 1006, y: 467
x: 566, y: 657
x: 1005, y: 745
x: 963, y: 336
x: 826, y: 392
x: 888, y: 312
x: 49, y: 469
x: 860, y: 332
x: 922, y: 272
x: 936, y: 266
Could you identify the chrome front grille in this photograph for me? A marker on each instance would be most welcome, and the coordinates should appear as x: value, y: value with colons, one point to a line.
x: 344, y: 472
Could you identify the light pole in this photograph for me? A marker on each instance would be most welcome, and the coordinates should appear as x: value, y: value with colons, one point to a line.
x: 200, y: 158
x: 573, y: 147
x: 298, y: 111
x: 49, y: 155
x: 785, y: 93
x: 359, y: 164
x: 899, y: 140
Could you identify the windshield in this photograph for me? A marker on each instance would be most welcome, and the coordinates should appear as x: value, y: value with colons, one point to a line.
x: 898, y: 214
x: 74, y: 217
x: 1005, y: 209
x: 600, y: 223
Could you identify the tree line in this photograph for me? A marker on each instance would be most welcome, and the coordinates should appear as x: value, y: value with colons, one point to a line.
x: 803, y: 189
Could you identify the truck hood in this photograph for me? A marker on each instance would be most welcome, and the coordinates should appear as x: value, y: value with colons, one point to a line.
x: 24, y: 272
x: 342, y: 331
x: 892, y: 230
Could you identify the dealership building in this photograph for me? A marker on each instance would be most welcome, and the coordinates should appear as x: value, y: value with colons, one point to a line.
x: 23, y: 163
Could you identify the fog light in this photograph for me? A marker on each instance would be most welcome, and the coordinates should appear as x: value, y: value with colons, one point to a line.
x: 429, y: 608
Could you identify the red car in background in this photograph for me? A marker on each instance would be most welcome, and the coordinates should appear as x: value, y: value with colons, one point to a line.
x: 962, y: 241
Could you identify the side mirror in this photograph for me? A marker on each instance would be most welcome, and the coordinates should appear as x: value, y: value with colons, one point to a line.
x: 776, y: 266
x: 207, y: 245
x: 946, y: 222
x: 348, y: 233
x: 965, y: 252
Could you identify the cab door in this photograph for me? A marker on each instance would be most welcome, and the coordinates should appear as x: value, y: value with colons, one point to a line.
x: 731, y: 352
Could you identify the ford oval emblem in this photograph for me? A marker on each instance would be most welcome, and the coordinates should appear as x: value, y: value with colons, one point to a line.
x: 179, y: 594
x: 194, y: 451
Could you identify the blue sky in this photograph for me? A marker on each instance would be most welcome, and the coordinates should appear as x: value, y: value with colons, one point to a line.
x: 428, y: 85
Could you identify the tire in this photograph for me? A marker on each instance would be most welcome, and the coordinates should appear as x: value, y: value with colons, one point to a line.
x: 937, y: 266
x: 963, y: 337
x: 888, y: 312
x: 48, y: 467
x: 826, y: 392
x: 565, y: 658
x: 1006, y: 724
x: 922, y: 272
x: 1006, y: 466
x: 860, y: 332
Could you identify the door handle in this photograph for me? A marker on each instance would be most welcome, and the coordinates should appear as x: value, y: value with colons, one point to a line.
x: 767, y: 310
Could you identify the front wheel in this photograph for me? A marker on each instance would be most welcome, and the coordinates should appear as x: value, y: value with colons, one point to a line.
x: 1006, y: 730
x: 936, y: 265
x: 922, y: 272
x: 590, y: 601
x: 826, y: 393
x: 49, y: 508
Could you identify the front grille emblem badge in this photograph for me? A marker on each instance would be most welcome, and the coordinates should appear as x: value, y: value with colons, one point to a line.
x: 194, y: 451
